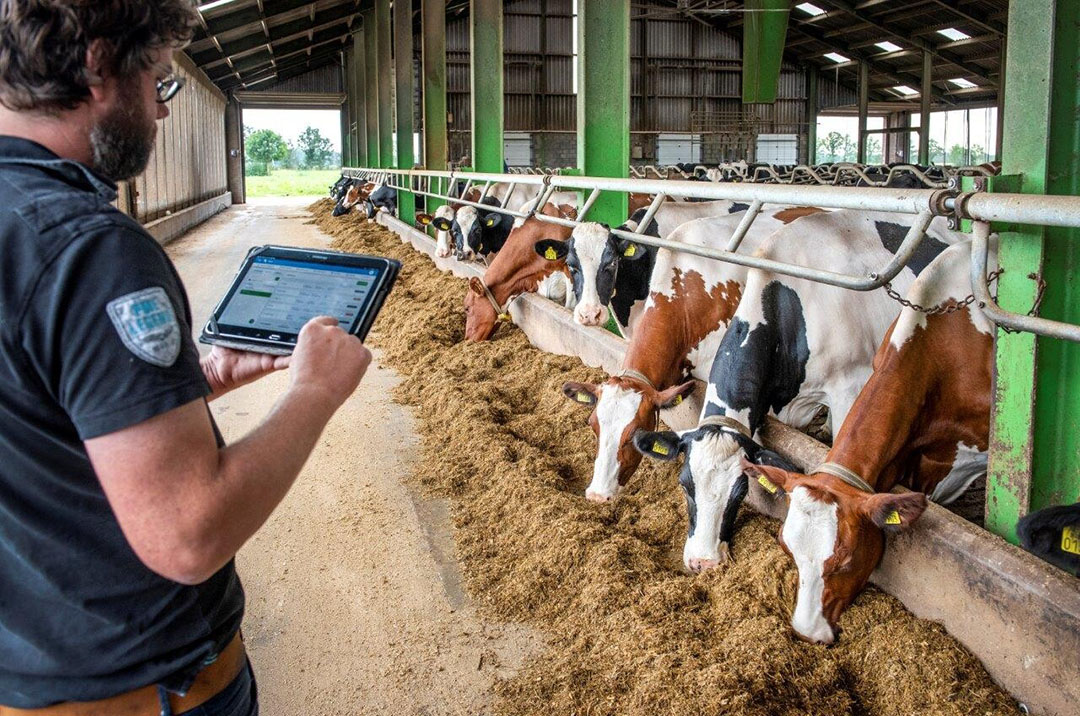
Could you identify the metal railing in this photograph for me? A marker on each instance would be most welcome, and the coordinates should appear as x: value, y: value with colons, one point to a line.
x: 923, y: 204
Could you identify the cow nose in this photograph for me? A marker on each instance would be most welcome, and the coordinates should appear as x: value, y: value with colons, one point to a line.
x: 589, y: 315
x: 597, y: 497
x: 823, y: 635
x: 700, y: 565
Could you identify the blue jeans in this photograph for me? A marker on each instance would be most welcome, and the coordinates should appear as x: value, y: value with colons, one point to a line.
x: 240, y: 698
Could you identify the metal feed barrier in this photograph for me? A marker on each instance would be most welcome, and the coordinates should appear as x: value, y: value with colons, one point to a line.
x: 979, y: 207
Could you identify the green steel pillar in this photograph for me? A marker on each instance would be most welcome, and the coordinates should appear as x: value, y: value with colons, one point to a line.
x: 811, y: 115
x: 433, y: 21
x: 371, y: 89
x: 864, y: 108
x: 603, y: 101
x: 1034, y: 460
x: 764, y: 31
x: 925, y: 91
x: 384, y: 68
x: 403, y: 70
x: 486, y: 76
x: 346, y: 113
x: 356, y: 92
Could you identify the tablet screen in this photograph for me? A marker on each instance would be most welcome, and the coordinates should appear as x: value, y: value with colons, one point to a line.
x: 278, y: 296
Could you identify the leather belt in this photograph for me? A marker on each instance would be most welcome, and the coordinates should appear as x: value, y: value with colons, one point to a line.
x: 208, y: 683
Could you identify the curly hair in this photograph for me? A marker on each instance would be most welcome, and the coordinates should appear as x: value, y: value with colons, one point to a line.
x: 43, y: 45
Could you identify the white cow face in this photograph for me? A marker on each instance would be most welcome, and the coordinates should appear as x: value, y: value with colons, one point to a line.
x: 593, y: 261
x: 621, y: 407
x: 467, y: 238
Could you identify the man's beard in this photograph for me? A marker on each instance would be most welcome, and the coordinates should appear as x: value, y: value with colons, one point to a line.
x: 123, y: 140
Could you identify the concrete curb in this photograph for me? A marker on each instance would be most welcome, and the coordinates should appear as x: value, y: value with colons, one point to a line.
x: 175, y: 225
x: 1016, y: 613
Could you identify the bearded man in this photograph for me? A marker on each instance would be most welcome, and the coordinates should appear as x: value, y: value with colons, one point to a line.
x: 120, y: 506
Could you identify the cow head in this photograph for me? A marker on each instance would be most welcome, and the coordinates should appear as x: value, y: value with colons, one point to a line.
x: 480, y: 316
x: 714, y: 482
x: 621, y: 407
x: 593, y: 257
x: 836, y: 535
x: 473, y: 222
x: 443, y: 221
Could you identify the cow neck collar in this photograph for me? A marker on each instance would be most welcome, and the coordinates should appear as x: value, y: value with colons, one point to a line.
x: 848, y: 476
x: 503, y: 312
x: 636, y: 375
x: 724, y: 421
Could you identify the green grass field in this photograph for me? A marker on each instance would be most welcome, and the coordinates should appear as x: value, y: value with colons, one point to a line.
x: 293, y: 182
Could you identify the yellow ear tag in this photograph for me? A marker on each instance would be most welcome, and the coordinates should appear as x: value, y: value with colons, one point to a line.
x: 630, y: 251
x: 550, y: 254
x: 678, y: 399
x: 660, y: 449
x: 769, y: 487
x: 1070, y: 539
x: 505, y: 318
x: 489, y: 222
x: 583, y: 398
x: 425, y: 220
x: 893, y: 518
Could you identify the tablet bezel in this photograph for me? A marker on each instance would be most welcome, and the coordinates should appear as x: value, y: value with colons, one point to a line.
x: 214, y: 330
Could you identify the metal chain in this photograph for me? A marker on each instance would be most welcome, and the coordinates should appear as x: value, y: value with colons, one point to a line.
x: 938, y: 310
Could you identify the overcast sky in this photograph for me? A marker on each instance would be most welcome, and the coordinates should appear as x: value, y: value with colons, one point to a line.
x: 289, y: 123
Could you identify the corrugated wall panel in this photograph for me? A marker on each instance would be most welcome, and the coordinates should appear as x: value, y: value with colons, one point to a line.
x: 326, y: 79
x: 188, y: 163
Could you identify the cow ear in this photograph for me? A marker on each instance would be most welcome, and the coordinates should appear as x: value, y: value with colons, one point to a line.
x: 674, y: 396
x: 441, y: 223
x: 424, y: 219
x: 894, y: 513
x: 630, y: 250
x: 490, y: 220
x: 772, y: 479
x: 551, y: 249
x: 583, y: 393
x: 657, y: 445
x: 765, y: 456
x: 476, y: 286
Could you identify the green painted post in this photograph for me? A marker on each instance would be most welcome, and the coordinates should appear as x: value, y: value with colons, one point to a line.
x: 403, y: 64
x: 346, y: 113
x: 486, y: 76
x: 603, y: 101
x: 1033, y: 460
x: 764, y: 31
x: 371, y: 89
x: 384, y: 68
x: 811, y: 115
x: 356, y: 92
x: 925, y: 91
x: 864, y: 108
x: 433, y: 22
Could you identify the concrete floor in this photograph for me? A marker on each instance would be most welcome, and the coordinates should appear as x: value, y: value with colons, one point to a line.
x: 355, y: 604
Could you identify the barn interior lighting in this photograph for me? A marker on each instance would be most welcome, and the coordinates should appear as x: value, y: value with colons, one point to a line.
x: 961, y: 82
x: 888, y: 46
x: 953, y: 34
x: 810, y: 9
x: 216, y: 3
x: 836, y: 57
x: 905, y: 90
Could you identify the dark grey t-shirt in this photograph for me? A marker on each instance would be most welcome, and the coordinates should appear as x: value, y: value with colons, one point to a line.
x: 94, y: 337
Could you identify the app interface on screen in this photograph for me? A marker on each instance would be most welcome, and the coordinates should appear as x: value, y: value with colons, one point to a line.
x: 282, y: 295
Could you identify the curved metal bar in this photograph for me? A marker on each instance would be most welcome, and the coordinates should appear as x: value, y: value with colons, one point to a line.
x: 980, y: 250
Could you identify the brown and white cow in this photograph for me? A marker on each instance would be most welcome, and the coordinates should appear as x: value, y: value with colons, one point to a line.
x: 921, y: 421
x: 515, y: 270
x: 691, y: 299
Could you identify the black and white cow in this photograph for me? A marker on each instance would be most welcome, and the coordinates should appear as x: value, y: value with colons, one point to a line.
x: 1053, y: 533
x: 792, y: 346
x: 337, y: 190
x: 480, y: 232
x: 381, y: 198
x: 609, y: 271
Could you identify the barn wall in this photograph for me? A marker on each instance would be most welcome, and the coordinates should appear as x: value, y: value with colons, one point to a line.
x: 685, y: 78
x: 187, y: 167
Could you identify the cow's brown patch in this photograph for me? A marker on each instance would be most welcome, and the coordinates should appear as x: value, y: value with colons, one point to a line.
x: 797, y: 212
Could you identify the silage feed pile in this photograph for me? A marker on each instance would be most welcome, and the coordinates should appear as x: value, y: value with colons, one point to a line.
x: 628, y: 631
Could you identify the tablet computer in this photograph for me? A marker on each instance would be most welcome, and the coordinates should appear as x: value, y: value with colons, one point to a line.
x: 279, y: 288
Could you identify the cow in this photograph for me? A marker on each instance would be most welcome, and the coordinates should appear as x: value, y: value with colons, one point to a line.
x: 515, y: 270
x: 691, y: 299
x: 921, y: 421
x: 607, y: 270
x: 338, y: 189
x: 481, y: 232
x: 355, y: 192
x: 1053, y: 533
x: 792, y: 346
x: 443, y: 222
x: 380, y: 197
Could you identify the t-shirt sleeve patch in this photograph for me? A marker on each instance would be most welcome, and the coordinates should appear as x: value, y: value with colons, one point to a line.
x: 147, y: 325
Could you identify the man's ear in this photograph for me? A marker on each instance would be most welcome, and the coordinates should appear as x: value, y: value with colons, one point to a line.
x: 673, y: 396
x: 630, y: 250
x: 772, y: 479
x: 97, y: 66
x: 657, y: 445
x: 551, y: 249
x: 424, y: 219
x: 583, y: 393
x: 894, y: 513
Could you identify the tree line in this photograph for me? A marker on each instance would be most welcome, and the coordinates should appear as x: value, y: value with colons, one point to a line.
x: 837, y: 147
x: 265, y: 149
